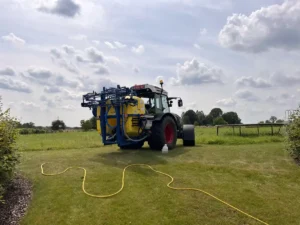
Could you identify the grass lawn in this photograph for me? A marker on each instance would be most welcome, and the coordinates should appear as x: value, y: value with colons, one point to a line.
x: 260, y: 179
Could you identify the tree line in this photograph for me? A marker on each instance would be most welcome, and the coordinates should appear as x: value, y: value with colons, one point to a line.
x: 215, y: 117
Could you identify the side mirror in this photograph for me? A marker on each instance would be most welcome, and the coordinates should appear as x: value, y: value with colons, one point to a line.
x: 180, y: 104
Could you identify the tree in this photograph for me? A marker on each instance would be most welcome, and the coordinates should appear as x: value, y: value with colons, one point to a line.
x: 273, y: 119
x: 86, y: 125
x: 58, y: 125
x: 192, y: 116
x: 186, y: 120
x: 28, y: 125
x: 293, y: 134
x: 8, y: 148
x: 93, y: 121
x: 261, y: 122
x: 208, y: 120
x: 196, y: 123
x: 267, y: 121
x: 219, y: 121
x: 231, y: 118
x: 216, y: 112
x: 279, y: 121
x: 200, y: 117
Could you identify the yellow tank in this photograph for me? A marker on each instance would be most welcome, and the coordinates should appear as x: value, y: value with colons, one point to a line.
x: 131, y: 114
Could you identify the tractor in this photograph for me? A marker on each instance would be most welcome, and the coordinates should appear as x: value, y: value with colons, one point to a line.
x: 129, y: 117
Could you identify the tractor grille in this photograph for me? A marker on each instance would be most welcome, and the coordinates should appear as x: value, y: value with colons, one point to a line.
x: 135, y: 121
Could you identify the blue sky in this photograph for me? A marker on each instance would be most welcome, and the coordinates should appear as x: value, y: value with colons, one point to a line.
x: 237, y: 55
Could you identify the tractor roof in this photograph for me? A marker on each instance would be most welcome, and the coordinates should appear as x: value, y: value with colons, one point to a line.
x: 147, y: 90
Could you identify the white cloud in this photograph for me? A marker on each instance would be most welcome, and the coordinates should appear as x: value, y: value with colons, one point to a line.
x: 197, y: 46
x: 70, y: 50
x: 138, y: 50
x: 68, y: 107
x: 52, y: 89
x: 63, y: 82
x: 79, y: 37
x: 96, y: 42
x: 81, y: 59
x: 195, y: 73
x: 65, y: 8
x: 94, y: 55
x: 119, y: 44
x: 71, y: 95
x: 253, y: 82
x: 56, y: 53
x: 226, y: 102
x: 9, y: 71
x: 14, y: 85
x: 101, y: 70
x: 136, y: 70
x: 203, y: 31
x: 39, y: 73
x: 285, y: 80
x: 25, y: 105
x: 110, y: 45
x: 246, y: 95
x: 12, y: 38
x: 275, y: 26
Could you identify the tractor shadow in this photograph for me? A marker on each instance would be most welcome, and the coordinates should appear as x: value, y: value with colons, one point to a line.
x: 121, y: 158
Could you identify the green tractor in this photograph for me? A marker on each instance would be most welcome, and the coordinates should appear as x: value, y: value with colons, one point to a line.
x: 129, y: 117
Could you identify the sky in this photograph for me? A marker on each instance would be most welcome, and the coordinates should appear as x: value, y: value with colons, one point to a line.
x: 240, y: 56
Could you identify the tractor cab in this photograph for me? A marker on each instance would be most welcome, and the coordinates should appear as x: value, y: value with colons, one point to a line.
x: 156, y: 99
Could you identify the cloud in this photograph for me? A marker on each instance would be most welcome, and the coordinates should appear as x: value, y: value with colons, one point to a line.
x: 78, y: 37
x: 9, y: 71
x: 110, y: 45
x: 12, y: 38
x: 94, y: 55
x: 71, y: 95
x: 70, y: 50
x: 203, y: 31
x: 65, y: 8
x: 56, y: 53
x: 52, y: 89
x: 138, y: 50
x: 253, y: 82
x: 285, y: 80
x: 246, y: 95
x: 115, y: 45
x: 195, y: 73
x: 14, y: 85
x: 63, y: 82
x: 119, y: 44
x: 226, y: 102
x: 96, y: 42
x: 197, y: 46
x: 25, y: 105
x: 39, y: 73
x: 68, y: 65
x: 275, y: 26
x: 136, y: 70
x: 101, y: 70
x: 81, y: 59
x: 49, y: 102
x: 68, y: 107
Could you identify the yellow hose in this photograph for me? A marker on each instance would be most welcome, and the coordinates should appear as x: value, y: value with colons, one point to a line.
x: 168, y: 185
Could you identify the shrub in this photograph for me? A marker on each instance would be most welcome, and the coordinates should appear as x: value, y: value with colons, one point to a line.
x: 8, y: 156
x: 219, y: 121
x: 293, y: 135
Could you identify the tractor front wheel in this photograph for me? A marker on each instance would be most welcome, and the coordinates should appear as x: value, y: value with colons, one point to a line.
x: 163, y: 132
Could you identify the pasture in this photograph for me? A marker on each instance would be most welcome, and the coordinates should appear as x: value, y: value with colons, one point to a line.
x: 252, y: 173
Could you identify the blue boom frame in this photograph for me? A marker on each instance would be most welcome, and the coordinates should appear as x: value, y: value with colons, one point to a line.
x: 117, y: 99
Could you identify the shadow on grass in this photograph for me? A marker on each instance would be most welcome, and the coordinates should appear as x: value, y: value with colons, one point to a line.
x: 122, y: 158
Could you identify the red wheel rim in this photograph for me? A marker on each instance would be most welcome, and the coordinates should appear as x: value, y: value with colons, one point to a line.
x: 169, y: 134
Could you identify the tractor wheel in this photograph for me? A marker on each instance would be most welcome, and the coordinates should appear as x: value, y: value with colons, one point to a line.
x: 163, y: 132
x: 138, y: 145
x: 188, y: 135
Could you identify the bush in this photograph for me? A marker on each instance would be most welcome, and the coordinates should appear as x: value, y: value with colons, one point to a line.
x: 293, y: 135
x: 8, y: 156
x: 219, y: 121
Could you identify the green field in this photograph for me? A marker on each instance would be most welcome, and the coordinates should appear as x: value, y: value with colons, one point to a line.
x: 253, y: 173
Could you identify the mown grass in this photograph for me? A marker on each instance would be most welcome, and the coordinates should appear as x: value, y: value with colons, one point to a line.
x: 260, y: 179
x: 78, y: 140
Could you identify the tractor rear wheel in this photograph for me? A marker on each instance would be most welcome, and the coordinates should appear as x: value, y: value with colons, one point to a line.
x: 138, y: 145
x: 163, y: 132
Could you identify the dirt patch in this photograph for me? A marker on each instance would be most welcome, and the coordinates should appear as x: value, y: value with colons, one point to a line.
x: 17, y: 198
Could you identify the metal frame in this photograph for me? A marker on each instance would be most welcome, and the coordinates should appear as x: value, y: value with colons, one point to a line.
x: 117, y: 98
